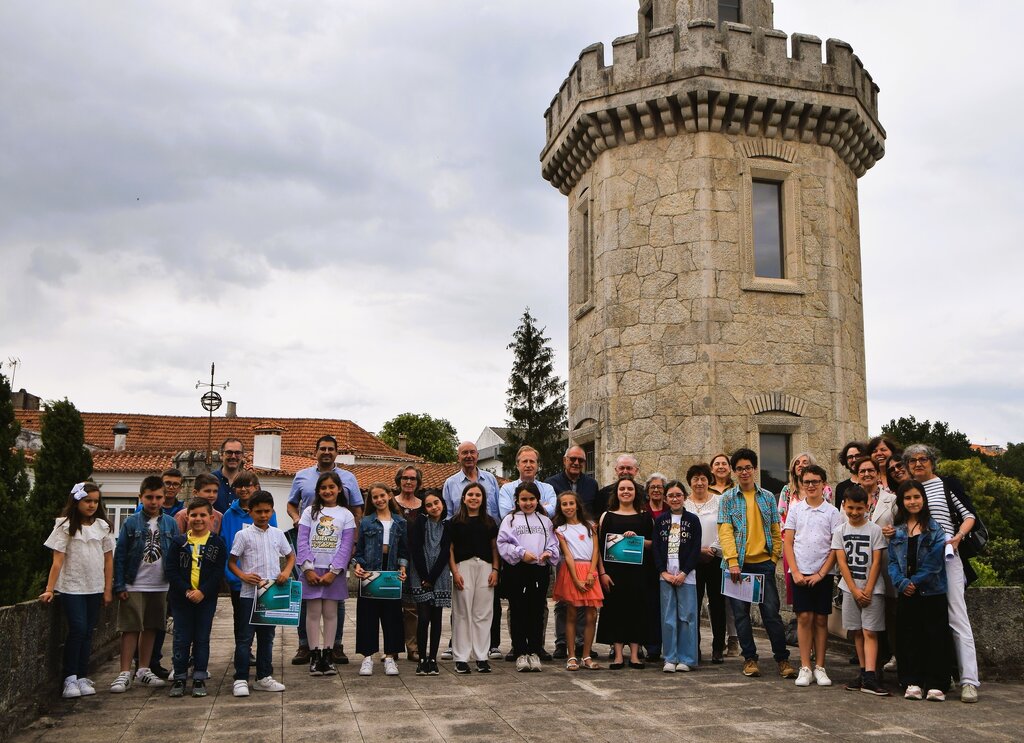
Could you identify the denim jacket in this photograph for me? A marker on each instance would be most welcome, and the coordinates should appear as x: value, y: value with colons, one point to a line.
x: 930, y: 578
x: 132, y: 540
x: 370, y: 545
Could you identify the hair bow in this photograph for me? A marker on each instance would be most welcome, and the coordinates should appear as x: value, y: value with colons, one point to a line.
x: 78, y: 492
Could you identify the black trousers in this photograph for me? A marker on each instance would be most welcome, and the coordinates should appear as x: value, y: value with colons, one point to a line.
x: 709, y: 580
x: 374, y: 615
x: 526, y: 587
x: 924, y: 642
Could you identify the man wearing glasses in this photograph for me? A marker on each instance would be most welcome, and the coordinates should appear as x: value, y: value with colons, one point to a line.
x: 232, y: 455
x: 572, y: 478
x: 299, y: 499
x: 751, y: 540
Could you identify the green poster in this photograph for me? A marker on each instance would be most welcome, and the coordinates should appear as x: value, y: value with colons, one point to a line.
x: 620, y: 548
x: 277, y: 604
x: 381, y: 584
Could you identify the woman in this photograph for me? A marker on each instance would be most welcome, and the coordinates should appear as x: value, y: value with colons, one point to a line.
x: 655, y: 488
x: 882, y: 449
x: 624, y: 617
x: 896, y: 473
x: 407, y: 483
x: 655, y: 506
x: 722, y: 473
x: 704, y: 505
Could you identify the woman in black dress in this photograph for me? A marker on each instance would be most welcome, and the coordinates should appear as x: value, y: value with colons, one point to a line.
x: 624, y: 614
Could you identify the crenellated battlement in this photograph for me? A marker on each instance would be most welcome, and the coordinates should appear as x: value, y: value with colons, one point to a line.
x: 769, y: 84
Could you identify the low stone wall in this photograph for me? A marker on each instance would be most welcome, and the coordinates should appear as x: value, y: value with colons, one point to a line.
x: 997, y: 618
x: 31, y: 646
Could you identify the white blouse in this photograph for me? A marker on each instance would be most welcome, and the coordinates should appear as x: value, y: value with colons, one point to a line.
x: 82, y: 572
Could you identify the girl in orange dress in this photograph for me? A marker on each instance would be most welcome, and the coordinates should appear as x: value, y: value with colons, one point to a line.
x: 577, y: 584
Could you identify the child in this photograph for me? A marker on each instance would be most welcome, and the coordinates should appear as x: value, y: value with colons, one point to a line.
x: 327, y: 533
x: 527, y: 544
x: 677, y: 540
x: 431, y: 582
x: 235, y: 519
x: 140, y: 584
x: 577, y: 583
x: 205, y: 487
x: 859, y: 547
x: 255, y: 557
x: 473, y: 561
x: 382, y: 545
x: 82, y: 573
x: 194, y: 565
x: 924, y: 642
x: 808, y: 548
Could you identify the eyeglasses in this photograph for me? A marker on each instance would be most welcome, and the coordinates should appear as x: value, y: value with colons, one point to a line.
x: 171, y: 485
x: 577, y: 460
x: 896, y: 466
x: 918, y: 460
x: 868, y: 471
x: 655, y: 487
x: 811, y: 483
x: 407, y: 478
x: 745, y: 468
x: 232, y: 453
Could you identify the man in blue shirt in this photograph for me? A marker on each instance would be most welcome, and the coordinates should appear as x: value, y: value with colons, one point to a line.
x: 573, y: 479
x: 301, y: 497
x: 232, y: 454
x: 526, y: 463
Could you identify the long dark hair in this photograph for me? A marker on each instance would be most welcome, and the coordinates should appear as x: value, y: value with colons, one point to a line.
x: 924, y: 518
x: 639, y: 501
x: 582, y: 515
x: 462, y: 515
x: 73, y: 518
x: 318, y: 503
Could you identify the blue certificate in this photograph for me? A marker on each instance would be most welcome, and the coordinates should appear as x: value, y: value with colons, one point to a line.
x: 628, y: 550
x: 381, y: 584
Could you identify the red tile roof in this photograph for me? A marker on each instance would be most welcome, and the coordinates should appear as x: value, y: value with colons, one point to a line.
x: 152, y: 434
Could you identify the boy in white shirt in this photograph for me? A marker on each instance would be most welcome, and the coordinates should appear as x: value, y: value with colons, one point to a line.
x: 807, y: 543
x: 858, y: 545
x: 255, y: 558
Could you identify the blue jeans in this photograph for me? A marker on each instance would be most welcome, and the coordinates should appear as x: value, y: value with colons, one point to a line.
x: 82, y: 611
x: 769, y: 615
x: 679, y: 623
x: 192, y: 624
x: 264, y: 635
x: 303, y: 640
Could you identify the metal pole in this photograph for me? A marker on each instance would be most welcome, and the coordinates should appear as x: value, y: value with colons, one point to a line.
x: 209, y: 429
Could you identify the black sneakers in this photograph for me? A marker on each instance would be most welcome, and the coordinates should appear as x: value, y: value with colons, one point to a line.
x: 483, y: 666
x: 314, y: 663
x: 326, y: 664
x: 461, y: 667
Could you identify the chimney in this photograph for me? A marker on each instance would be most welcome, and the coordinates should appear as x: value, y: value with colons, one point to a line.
x: 24, y: 400
x: 266, y: 446
x: 120, y: 436
x: 345, y: 456
x: 232, y: 410
x: 403, y: 442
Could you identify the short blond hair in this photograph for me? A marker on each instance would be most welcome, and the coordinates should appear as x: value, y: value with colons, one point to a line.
x: 526, y: 448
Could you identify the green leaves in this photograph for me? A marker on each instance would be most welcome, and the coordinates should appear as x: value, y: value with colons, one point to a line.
x: 434, y: 439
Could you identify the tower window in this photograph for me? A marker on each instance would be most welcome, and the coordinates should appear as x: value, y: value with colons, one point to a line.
x: 774, y: 460
x: 729, y: 10
x: 769, y: 243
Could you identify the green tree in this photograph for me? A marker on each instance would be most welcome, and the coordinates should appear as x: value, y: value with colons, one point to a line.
x: 20, y: 549
x: 998, y: 499
x: 434, y: 439
x: 535, y: 399
x: 951, y: 443
x: 1010, y: 463
x: 63, y: 460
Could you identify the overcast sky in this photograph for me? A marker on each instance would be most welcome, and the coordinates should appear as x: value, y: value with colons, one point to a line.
x: 341, y: 203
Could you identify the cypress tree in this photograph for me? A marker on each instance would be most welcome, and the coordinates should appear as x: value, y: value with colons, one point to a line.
x: 21, y: 549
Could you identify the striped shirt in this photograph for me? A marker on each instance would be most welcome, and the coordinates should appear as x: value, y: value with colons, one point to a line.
x: 935, y: 489
x: 259, y: 551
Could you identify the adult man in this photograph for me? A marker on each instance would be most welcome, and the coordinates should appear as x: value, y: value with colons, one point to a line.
x: 849, y: 455
x: 526, y: 463
x: 625, y: 466
x: 921, y: 460
x: 299, y: 498
x: 751, y: 541
x: 232, y: 454
x: 572, y: 478
x: 451, y: 493
x: 454, y: 485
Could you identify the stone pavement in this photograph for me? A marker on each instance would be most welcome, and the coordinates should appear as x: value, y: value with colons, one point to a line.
x: 716, y: 703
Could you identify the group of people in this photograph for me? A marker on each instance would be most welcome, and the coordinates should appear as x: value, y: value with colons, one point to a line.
x: 632, y: 564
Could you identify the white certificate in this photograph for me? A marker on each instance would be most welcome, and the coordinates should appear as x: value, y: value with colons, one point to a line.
x: 750, y: 587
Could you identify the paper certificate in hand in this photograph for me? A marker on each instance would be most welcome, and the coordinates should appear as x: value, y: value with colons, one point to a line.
x: 381, y: 584
x: 277, y: 605
x: 628, y: 550
x: 750, y: 587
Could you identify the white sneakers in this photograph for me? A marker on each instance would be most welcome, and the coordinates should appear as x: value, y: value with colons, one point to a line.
x: 493, y: 654
x: 523, y: 663
x: 121, y: 684
x: 240, y: 688
x: 669, y: 667
x: 969, y: 694
x: 446, y: 654
x: 147, y: 678
x: 683, y: 668
x: 820, y: 677
x: 913, y: 692
x: 934, y: 695
x: 804, y: 677
x: 267, y: 683
x: 390, y: 667
x: 86, y: 688
x: 366, y: 667
x: 71, y: 688
x: 534, y: 662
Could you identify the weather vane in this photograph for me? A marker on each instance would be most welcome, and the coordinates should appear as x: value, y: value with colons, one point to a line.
x: 211, y: 400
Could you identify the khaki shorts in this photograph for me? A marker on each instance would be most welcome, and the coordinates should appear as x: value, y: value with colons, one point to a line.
x: 143, y: 610
x: 871, y: 617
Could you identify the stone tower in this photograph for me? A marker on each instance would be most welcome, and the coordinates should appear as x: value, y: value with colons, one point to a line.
x: 714, y: 250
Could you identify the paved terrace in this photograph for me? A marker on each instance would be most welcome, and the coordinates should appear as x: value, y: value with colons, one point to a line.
x: 715, y: 703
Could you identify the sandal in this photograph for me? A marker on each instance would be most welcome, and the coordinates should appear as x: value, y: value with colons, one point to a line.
x: 572, y: 665
x: 590, y: 664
